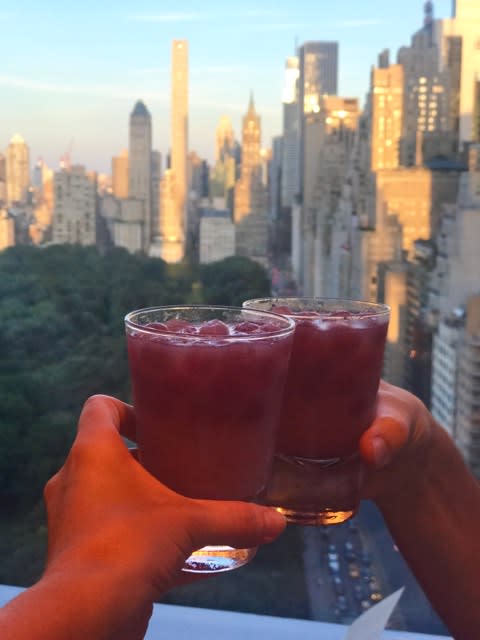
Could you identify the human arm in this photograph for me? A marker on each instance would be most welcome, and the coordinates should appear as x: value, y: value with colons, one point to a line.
x: 117, y: 538
x: 431, y: 504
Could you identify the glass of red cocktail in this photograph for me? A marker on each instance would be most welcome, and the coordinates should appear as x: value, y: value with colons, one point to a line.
x: 329, y: 401
x: 206, y: 384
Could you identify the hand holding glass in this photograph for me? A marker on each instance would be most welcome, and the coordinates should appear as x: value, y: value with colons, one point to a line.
x: 206, y: 386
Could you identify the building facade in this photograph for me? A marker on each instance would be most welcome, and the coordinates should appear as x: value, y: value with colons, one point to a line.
x: 140, y: 166
x: 75, y: 207
x: 17, y: 170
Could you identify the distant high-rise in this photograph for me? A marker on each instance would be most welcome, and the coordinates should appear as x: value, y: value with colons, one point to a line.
x: 386, y: 116
x: 224, y: 140
x: 17, y: 170
x: 318, y: 73
x: 457, y: 39
x: 120, y: 175
x: 140, y: 166
x: 291, y: 132
x: 250, y: 204
x: 250, y: 184
x: 173, y: 228
x: 74, y: 217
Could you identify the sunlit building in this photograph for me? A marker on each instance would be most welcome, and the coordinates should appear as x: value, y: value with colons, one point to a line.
x: 386, y: 116
x: 457, y: 39
x: 173, y: 216
x: 17, y: 170
x: 120, y: 176
x: 250, y: 198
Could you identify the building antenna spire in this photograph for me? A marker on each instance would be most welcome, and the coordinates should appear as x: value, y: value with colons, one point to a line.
x: 428, y: 19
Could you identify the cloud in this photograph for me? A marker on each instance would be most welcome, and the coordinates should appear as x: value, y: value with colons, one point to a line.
x: 276, y: 26
x: 101, y: 90
x: 360, y: 22
x: 167, y: 17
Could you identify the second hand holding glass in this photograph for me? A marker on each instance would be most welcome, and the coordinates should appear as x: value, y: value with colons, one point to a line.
x: 328, y: 403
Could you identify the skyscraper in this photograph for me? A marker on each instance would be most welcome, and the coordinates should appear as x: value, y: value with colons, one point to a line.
x: 318, y: 73
x: 457, y: 39
x: 249, y: 188
x: 224, y: 139
x: 140, y: 166
x: 291, y: 132
x: 173, y: 232
x: 386, y: 116
x: 17, y: 170
x: 250, y: 205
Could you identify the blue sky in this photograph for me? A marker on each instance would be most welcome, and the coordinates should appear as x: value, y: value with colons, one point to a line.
x: 71, y: 73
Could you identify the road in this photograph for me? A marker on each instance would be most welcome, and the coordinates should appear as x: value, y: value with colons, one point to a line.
x: 364, y: 565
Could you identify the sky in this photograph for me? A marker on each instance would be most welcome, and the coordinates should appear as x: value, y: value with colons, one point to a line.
x: 71, y: 73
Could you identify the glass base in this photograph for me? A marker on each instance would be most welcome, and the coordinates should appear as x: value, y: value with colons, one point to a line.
x: 316, y: 518
x: 215, y: 559
x: 315, y: 492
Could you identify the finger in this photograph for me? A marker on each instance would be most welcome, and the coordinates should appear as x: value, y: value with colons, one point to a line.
x: 238, y: 524
x: 104, y: 412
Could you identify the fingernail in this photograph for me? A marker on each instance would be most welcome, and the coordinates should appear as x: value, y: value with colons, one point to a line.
x: 274, y: 523
x: 381, y: 453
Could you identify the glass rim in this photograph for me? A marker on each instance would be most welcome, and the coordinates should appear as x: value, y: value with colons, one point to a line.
x: 372, y: 309
x: 285, y: 330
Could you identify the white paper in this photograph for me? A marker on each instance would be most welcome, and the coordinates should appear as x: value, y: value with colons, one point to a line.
x: 371, y: 624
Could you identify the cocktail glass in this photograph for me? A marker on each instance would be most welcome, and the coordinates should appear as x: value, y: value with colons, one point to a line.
x: 329, y: 401
x: 206, y: 384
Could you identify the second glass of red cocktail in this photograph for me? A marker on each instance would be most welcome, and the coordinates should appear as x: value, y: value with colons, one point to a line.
x: 329, y: 402
x: 206, y: 385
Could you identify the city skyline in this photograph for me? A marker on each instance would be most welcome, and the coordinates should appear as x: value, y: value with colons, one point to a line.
x: 74, y: 76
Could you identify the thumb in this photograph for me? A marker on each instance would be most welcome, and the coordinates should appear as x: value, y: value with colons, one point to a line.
x: 237, y: 524
x: 384, y: 439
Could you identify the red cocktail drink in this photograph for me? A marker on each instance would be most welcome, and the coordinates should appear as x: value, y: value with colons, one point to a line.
x: 329, y: 401
x: 206, y: 386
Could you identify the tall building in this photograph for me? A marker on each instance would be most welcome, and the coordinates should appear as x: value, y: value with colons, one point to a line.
x: 427, y: 126
x: 331, y: 162
x: 249, y: 190
x: 468, y: 387
x: 318, y: 77
x: 250, y: 199
x: 17, y: 170
x: 120, y: 177
x: 140, y: 166
x: 386, y: 116
x: 457, y: 39
x: 318, y: 73
x: 291, y: 132
x: 173, y: 227
x: 74, y: 217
